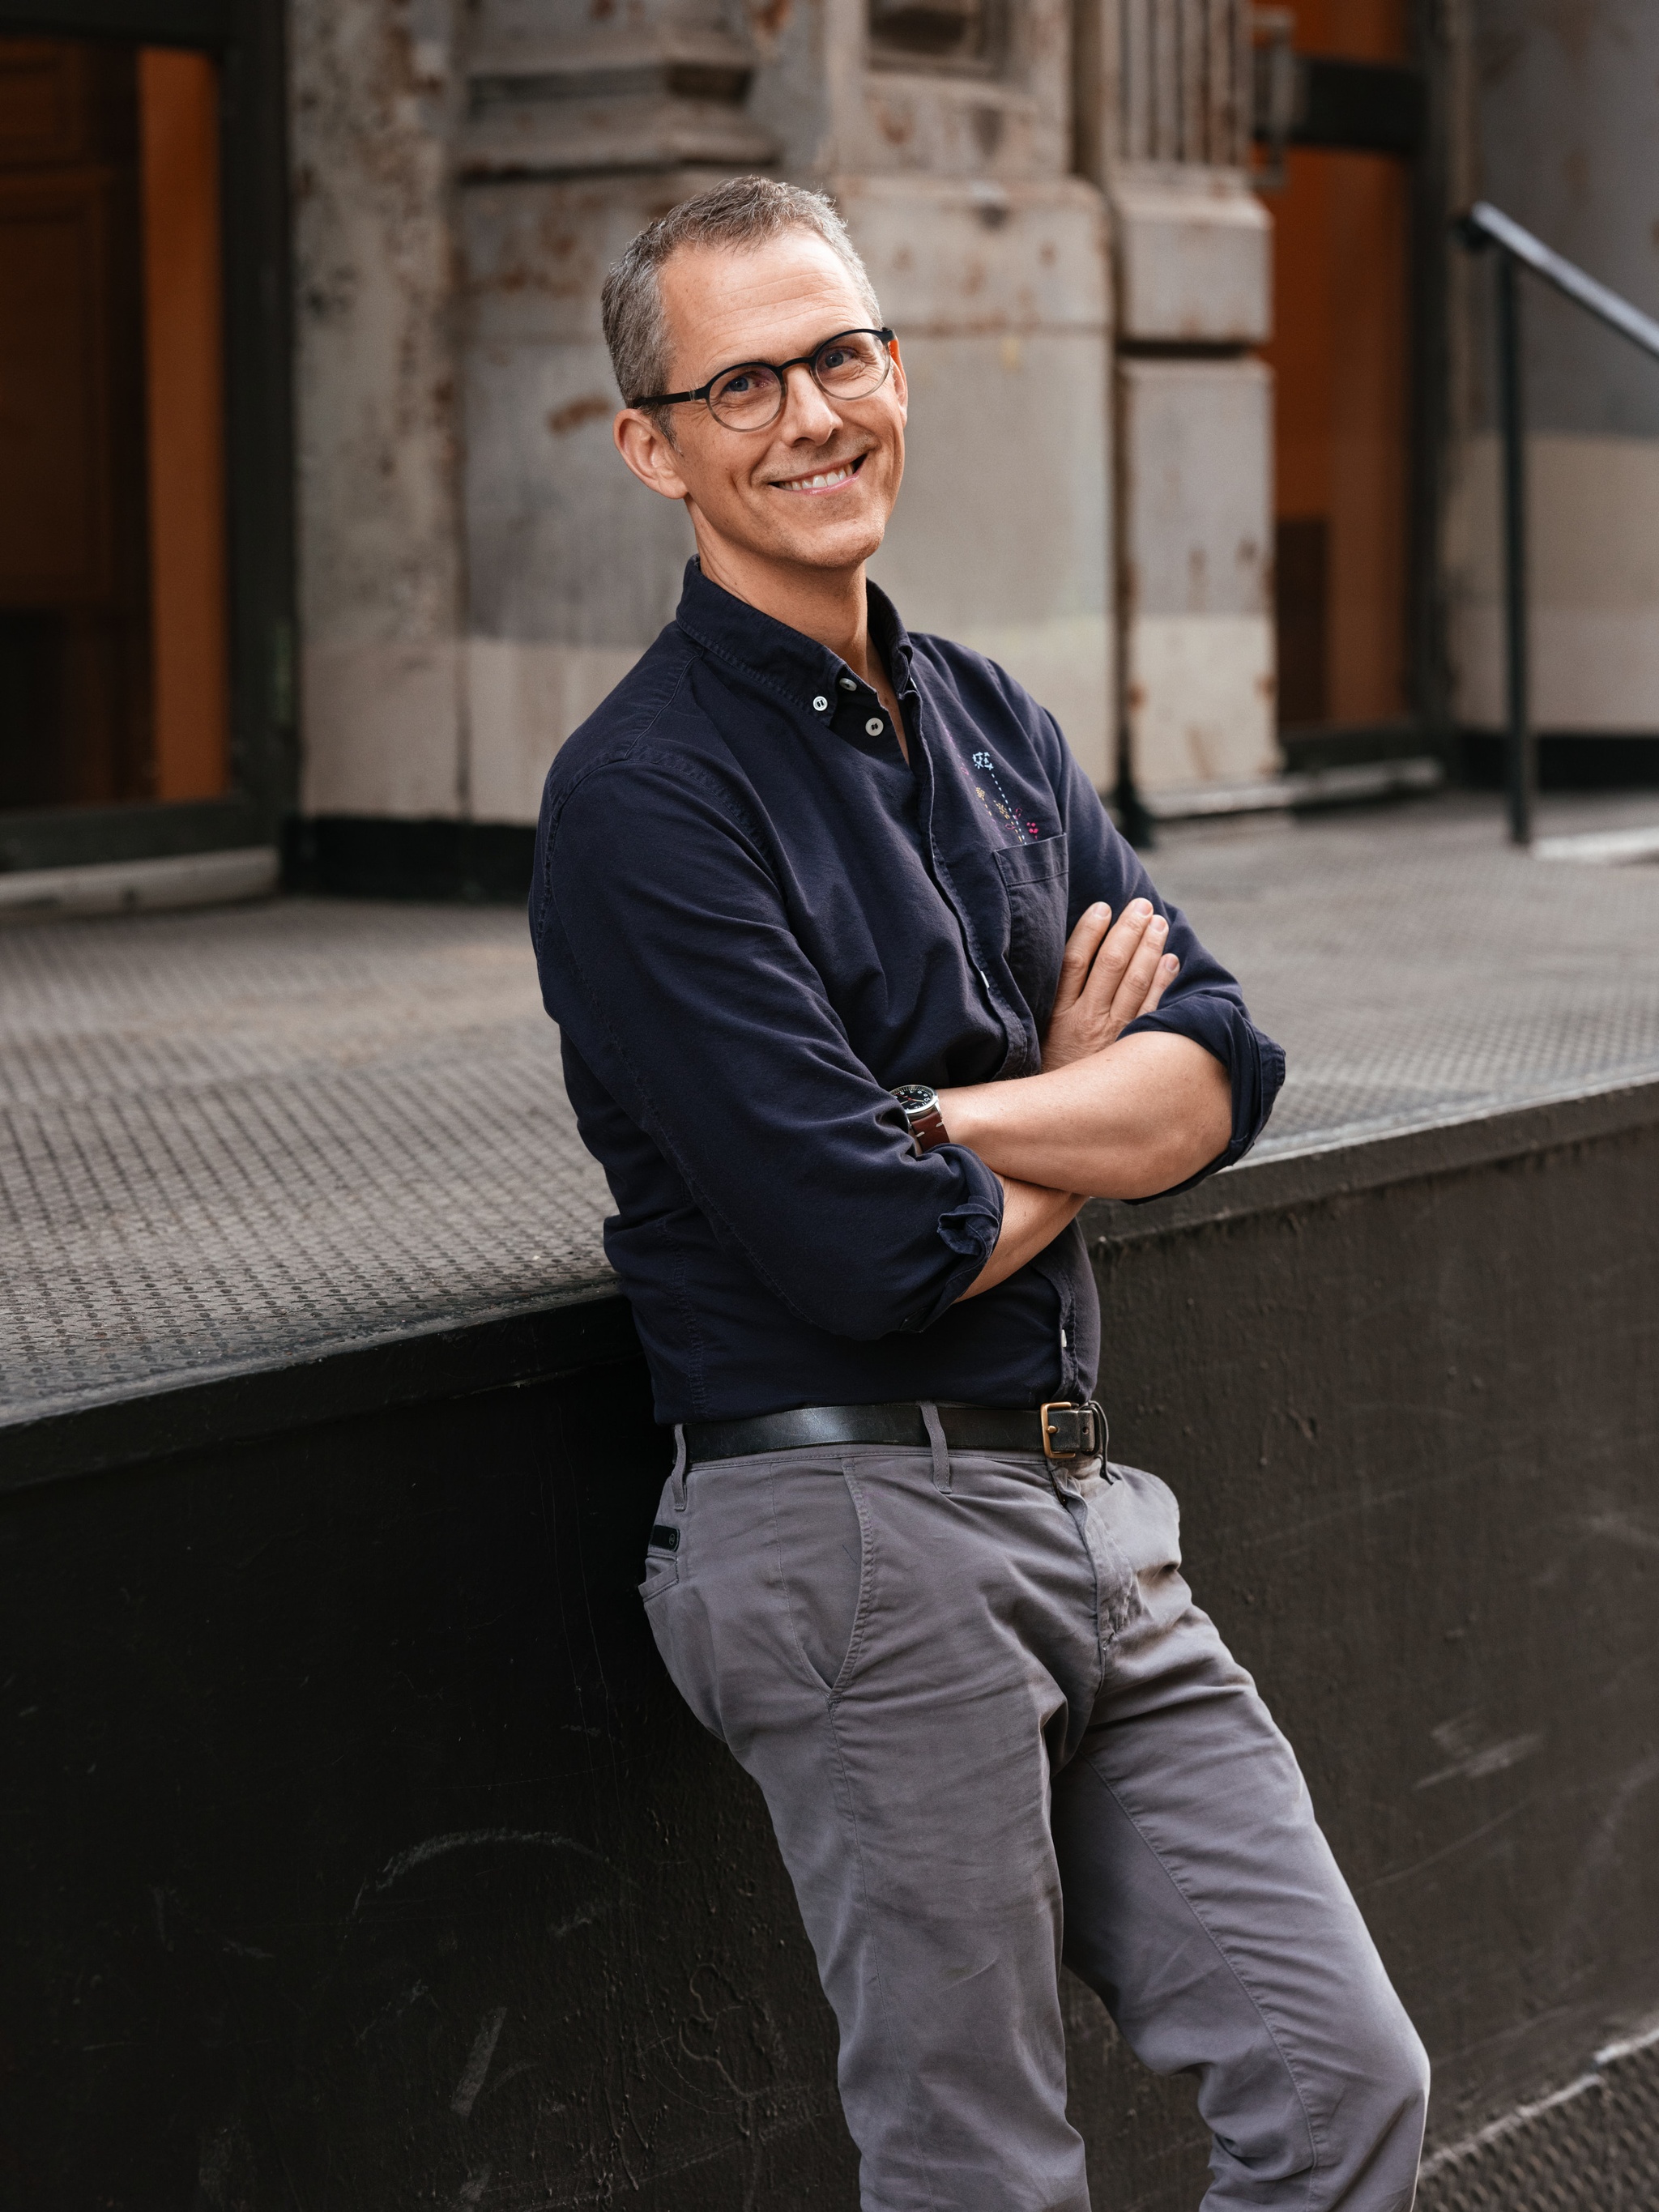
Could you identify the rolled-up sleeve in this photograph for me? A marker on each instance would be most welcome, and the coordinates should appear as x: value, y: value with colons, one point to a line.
x: 1205, y: 1002
x: 667, y: 957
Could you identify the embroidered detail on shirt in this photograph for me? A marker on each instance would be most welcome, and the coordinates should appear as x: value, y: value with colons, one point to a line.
x: 1001, y: 807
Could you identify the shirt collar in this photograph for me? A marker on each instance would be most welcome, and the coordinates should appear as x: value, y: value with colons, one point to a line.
x: 783, y: 660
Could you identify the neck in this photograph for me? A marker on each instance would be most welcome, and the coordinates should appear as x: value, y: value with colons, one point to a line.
x: 828, y: 606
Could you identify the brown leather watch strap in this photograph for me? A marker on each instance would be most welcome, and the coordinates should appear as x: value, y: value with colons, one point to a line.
x: 929, y: 1130
x: 922, y: 1113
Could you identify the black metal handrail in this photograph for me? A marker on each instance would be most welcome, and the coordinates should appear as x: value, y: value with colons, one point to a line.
x: 1482, y: 227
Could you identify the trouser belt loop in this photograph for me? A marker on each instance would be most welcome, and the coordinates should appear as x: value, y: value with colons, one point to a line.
x: 941, y: 1450
x: 677, y: 1478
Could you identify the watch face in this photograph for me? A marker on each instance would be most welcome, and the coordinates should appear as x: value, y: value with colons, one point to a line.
x: 916, y: 1097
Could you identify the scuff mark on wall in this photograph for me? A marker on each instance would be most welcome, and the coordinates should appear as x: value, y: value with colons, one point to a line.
x: 1471, y: 1759
x: 477, y: 2068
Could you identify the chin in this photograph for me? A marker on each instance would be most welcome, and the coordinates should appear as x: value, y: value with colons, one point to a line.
x: 840, y: 545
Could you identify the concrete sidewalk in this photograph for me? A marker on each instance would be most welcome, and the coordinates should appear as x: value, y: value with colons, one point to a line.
x: 251, y: 1134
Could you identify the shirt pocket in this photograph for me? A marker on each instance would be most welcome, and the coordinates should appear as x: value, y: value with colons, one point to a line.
x: 1036, y: 879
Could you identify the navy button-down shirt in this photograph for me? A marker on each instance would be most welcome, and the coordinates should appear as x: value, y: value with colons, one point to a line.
x: 752, y: 919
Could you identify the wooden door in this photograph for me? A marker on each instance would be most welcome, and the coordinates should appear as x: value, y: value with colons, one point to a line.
x: 112, y: 655
x: 1340, y: 355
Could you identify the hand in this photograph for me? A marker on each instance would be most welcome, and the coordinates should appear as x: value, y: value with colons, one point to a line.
x: 1111, y: 974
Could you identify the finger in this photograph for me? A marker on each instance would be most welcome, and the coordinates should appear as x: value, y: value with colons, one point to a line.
x: 1122, y: 943
x: 1077, y: 959
x: 1143, y: 966
x: 1165, y: 973
x: 1117, y: 955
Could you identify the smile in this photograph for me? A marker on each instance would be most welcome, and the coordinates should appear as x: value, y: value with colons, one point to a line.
x: 826, y: 480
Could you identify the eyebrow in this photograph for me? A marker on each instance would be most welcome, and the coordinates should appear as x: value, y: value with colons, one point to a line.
x: 761, y: 361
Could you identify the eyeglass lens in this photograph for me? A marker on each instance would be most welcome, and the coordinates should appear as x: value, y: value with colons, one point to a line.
x: 849, y: 366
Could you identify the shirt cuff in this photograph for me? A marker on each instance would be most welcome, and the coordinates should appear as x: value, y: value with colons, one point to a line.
x: 969, y: 1229
x: 1255, y: 1065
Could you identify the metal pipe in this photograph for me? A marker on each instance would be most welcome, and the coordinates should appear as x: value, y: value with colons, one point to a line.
x: 1567, y: 276
x: 1485, y: 225
x: 1520, y: 761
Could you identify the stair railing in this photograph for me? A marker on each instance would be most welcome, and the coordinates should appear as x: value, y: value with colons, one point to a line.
x: 1483, y: 227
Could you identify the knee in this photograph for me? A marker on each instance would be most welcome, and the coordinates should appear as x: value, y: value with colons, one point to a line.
x: 1390, y: 2070
x: 1408, y: 2068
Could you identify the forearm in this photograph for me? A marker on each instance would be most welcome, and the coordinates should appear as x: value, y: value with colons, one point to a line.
x: 1031, y: 1219
x: 1128, y: 1122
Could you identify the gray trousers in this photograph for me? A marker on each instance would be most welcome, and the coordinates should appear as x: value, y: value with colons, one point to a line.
x: 992, y: 1729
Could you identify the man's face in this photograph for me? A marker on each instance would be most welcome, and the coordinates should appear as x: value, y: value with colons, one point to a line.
x: 814, y: 490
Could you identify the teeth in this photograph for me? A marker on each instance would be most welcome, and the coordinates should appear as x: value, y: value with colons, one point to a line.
x: 821, y: 482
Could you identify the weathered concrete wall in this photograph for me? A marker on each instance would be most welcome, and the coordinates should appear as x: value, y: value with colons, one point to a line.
x: 479, y: 568
x: 1001, y: 535
x: 1593, y: 572
x: 1197, y: 578
x: 1192, y: 261
x: 573, y: 566
x: 379, y: 541
x: 1562, y: 132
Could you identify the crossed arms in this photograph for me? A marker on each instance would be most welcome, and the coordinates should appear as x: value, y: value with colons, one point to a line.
x: 1109, y: 1117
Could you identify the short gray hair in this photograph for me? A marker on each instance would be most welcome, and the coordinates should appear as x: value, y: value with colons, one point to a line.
x: 744, y: 212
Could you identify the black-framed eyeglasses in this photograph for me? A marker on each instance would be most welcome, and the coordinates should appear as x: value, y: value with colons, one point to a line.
x: 749, y: 397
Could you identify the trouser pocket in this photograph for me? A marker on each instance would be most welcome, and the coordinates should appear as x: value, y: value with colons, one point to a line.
x: 822, y: 1560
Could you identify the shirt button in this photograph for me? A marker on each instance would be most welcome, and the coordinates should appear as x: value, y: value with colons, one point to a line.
x: 874, y: 726
x: 820, y: 705
x: 847, y: 684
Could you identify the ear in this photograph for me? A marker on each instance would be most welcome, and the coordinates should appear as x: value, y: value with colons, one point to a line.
x: 900, y: 385
x: 644, y: 445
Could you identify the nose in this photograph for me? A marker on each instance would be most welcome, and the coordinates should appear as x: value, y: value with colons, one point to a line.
x: 807, y: 413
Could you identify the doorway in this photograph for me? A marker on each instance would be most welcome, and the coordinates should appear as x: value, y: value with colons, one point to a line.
x: 114, y: 676
x: 146, y: 469
x: 1341, y: 355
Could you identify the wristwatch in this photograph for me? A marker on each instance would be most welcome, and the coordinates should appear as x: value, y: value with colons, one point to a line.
x: 920, y: 1103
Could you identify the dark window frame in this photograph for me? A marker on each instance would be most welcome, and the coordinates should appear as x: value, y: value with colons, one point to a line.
x: 247, y: 38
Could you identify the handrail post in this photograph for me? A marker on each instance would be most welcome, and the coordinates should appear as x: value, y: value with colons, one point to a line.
x: 1520, y: 761
x: 1482, y: 227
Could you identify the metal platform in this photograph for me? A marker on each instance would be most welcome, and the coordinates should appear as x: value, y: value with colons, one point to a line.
x: 252, y: 1135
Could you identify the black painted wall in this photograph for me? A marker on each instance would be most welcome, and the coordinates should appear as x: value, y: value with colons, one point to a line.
x: 1416, y: 1435
x: 355, y: 1854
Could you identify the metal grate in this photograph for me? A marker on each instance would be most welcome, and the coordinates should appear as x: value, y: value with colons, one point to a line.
x: 1631, y: 2076
x: 250, y: 1134
x: 1417, y: 967
x: 253, y: 1133
x: 1592, y: 2147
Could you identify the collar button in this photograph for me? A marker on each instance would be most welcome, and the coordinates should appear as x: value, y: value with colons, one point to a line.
x: 848, y: 684
x: 820, y: 705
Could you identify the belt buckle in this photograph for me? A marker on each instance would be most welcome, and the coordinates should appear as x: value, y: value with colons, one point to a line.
x: 1069, y: 1431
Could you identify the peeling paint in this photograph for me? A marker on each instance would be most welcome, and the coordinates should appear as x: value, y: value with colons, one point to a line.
x: 591, y: 407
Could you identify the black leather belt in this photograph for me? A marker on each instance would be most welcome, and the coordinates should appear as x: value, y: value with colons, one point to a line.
x: 1060, y: 1431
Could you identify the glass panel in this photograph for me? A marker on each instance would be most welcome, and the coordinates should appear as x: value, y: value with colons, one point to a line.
x: 113, y: 596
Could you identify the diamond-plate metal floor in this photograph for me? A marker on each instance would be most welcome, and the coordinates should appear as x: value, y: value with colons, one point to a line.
x: 259, y: 1130
x: 252, y: 1133
x: 1417, y: 967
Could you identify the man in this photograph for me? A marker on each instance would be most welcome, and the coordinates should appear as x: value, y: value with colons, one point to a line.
x: 860, y: 995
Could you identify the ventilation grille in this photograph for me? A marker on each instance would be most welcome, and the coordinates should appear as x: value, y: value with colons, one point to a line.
x: 1592, y: 2147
